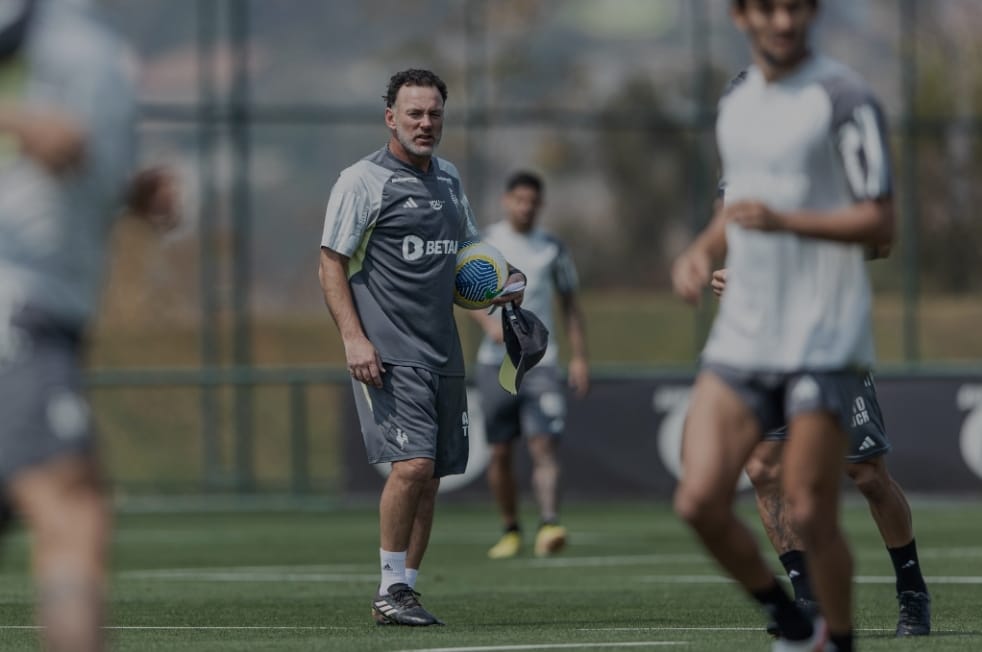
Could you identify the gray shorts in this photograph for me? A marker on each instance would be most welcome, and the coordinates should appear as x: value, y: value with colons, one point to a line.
x: 775, y: 398
x: 43, y: 414
x: 867, y: 434
x: 538, y: 409
x: 416, y: 413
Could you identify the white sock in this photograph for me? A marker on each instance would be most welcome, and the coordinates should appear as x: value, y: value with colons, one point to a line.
x: 411, y: 574
x: 393, y: 568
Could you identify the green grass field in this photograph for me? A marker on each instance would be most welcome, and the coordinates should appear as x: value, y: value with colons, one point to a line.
x: 632, y: 578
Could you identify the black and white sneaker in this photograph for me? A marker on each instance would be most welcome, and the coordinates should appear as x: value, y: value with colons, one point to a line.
x: 808, y: 607
x: 400, y: 606
x: 915, y: 614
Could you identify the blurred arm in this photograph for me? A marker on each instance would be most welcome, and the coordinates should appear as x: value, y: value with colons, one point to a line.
x: 869, y: 222
x: 579, y: 368
x: 691, y: 270
x: 51, y: 137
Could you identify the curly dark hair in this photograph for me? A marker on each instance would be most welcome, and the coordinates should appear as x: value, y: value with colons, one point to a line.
x: 413, y: 77
x: 524, y: 178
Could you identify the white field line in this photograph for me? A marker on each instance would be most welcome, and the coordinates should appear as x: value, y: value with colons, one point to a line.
x: 717, y: 629
x: 201, y: 627
x: 544, y: 646
x: 684, y: 558
x: 237, y: 575
x: 859, y: 579
x: 615, y: 560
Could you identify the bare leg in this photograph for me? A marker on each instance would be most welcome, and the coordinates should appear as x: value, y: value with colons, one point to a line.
x: 813, y: 464
x: 501, y: 479
x: 401, y: 496
x: 64, y: 505
x: 886, y: 499
x: 764, y: 471
x: 545, y: 475
x: 423, y: 524
x: 720, y: 433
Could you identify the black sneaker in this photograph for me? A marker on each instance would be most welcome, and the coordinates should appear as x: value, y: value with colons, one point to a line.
x: 808, y: 607
x: 915, y: 614
x: 400, y: 606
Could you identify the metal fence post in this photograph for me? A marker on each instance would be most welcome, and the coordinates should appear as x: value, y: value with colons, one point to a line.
x: 240, y: 114
x: 910, y: 202
x: 208, y: 269
x: 299, y: 448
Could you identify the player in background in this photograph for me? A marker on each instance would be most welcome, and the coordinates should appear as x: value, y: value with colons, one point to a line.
x: 538, y: 411
x: 387, y: 266
x: 803, y: 150
x: 67, y: 110
x: 866, y: 466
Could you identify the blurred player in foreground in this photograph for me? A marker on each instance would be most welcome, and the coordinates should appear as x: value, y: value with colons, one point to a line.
x: 806, y: 167
x: 866, y: 466
x: 538, y: 411
x: 387, y: 268
x: 67, y: 108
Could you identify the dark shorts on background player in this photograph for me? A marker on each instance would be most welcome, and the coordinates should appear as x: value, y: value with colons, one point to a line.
x: 43, y: 414
x: 416, y: 413
x: 776, y: 397
x: 867, y: 434
x: 539, y: 408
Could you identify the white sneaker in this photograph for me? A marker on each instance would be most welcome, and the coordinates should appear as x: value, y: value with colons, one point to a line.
x: 817, y: 643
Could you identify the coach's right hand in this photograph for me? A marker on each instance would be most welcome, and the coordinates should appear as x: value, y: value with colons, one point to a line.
x: 364, y: 363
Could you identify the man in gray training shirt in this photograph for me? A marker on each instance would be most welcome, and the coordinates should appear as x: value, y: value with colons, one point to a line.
x: 67, y: 104
x: 388, y: 257
x: 803, y: 149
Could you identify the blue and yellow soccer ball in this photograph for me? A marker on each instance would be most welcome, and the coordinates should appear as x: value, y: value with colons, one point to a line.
x: 481, y: 275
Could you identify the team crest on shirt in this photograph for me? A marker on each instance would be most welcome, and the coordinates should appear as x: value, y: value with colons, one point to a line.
x: 436, y: 204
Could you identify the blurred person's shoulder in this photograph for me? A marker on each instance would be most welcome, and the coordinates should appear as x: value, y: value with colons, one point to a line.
x: 76, y: 34
x: 845, y: 87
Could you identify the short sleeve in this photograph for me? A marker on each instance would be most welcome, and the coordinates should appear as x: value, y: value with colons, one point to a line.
x: 859, y: 132
x: 351, y: 210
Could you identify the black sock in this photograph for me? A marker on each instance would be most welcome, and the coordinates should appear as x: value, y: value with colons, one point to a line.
x: 907, y: 568
x: 794, y: 625
x: 794, y: 565
x: 842, y: 642
x: 512, y: 528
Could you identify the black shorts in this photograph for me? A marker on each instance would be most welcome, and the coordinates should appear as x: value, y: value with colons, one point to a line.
x: 43, y: 413
x: 867, y: 434
x: 775, y: 398
x: 416, y: 413
x: 539, y: 408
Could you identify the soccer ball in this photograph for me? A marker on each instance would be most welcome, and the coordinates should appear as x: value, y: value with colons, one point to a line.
x: 481, y: 275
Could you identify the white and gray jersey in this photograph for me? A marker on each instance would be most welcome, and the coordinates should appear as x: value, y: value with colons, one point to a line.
x: 400, y: 228
x: 54, y: 229
x: 812, y: 141
x: 549, y: 271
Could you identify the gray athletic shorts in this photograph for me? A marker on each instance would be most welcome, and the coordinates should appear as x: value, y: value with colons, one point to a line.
x: 867, y: 434
x: 776, y: 397
x: 538, y: 409
x: 416, y: 413
x: 43, y: 414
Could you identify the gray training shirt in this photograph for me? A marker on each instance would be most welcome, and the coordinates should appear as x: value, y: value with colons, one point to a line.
x: 812, y: 141
x: 54, y: 228
x: 400, y: 228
